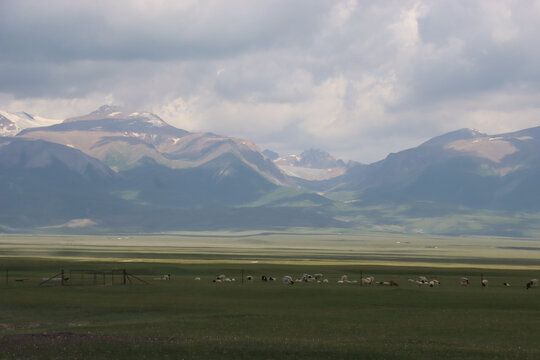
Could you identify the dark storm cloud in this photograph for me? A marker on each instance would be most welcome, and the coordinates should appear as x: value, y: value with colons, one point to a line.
x: 63, y: 31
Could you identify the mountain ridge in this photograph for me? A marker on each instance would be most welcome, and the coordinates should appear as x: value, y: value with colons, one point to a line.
x: 117, y: 170
x: 121, y: 140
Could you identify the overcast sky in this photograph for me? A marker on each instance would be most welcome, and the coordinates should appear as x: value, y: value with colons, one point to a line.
x: 359, y: 79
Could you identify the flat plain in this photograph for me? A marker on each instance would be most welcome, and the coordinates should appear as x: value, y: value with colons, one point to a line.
x: 95, y: 316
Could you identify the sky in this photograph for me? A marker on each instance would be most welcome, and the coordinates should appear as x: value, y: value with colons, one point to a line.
x: 359, y: 79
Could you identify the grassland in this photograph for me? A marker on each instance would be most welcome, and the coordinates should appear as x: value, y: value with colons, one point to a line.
x: 183, y: 318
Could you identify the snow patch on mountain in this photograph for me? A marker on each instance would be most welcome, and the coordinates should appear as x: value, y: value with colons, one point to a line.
x: 12, y: 123
x: 312, y: 164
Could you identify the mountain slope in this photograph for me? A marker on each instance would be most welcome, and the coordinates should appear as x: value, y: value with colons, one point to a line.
x: 122, y: 140
x: 57, y: 188
x: 43, y: 183
x: 224, y: 181
x: 463, y: 168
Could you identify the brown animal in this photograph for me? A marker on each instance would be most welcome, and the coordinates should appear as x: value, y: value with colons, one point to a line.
x: 532, y: 283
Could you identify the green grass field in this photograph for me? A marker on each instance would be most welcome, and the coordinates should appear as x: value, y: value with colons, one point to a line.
x: 183, y: 318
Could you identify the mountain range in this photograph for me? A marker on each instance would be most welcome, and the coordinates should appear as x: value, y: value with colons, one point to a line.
x: 464, y: 167
x: 112, y: 170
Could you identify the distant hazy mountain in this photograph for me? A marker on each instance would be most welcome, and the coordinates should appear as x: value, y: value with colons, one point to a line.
x: 463, y: 167
x: 53, y: 187
x: 122, y: 140
x: 113, y: 170
x: 461, y: 134
x: 313, y: 164
x: 272, y: 155
x: 63, y: 174
x: 43, y: 183
x: 12, y: 123
x: 223, y: 181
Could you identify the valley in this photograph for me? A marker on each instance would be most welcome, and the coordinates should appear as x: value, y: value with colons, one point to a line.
x: 150, y: 317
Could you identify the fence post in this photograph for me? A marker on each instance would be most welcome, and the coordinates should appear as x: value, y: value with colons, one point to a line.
x: 124, y: 275
x: 62, y: 277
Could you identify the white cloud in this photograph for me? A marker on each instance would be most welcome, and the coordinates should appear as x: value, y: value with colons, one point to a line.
x: 498, y: 16
x: 359, y: 79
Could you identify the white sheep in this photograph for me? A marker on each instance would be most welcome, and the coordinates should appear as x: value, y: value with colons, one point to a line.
x: 162, y: 277
x: 484, y: 283
x: 197, y: 279
x: 318, y: 276
x: 368, y: 281
x: 464, y: 281
x: 423, y: 280
x: 287, y: 280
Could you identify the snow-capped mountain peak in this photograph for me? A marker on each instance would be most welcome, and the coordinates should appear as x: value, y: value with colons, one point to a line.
x: 119, y: 113
x: 12, y: 123
x: 313, y: 164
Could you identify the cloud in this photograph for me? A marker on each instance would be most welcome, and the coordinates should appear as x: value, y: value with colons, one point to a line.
x: 359, y: 79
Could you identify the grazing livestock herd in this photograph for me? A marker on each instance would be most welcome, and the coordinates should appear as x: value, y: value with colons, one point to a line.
x: 422, y: 280
x: 344, y: 279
